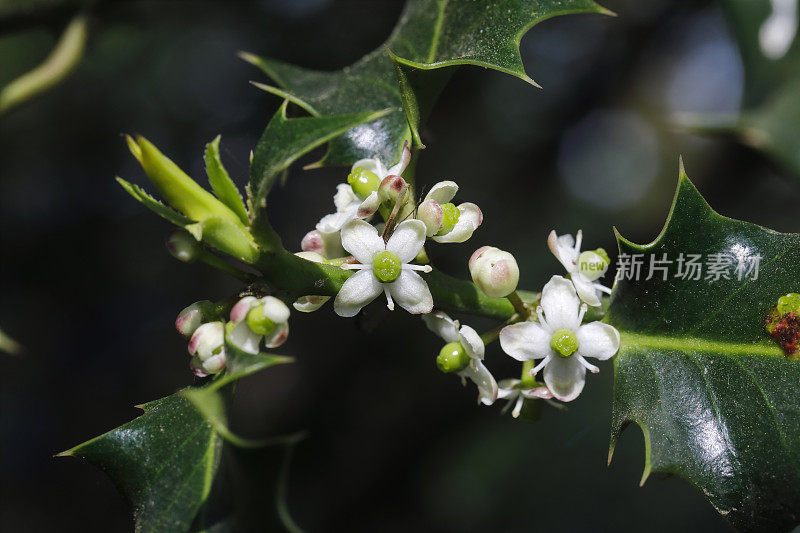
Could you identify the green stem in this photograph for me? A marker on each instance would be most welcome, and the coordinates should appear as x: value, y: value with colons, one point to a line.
x: 300, y: 277
x: 220, y: 264
x: 522, y: 309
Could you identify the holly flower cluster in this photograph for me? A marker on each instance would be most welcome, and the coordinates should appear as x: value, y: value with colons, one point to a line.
x: 551, y: 339
x: 379, y: 232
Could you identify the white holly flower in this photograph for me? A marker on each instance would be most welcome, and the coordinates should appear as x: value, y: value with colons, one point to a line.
x: 356, y: 199
x: 513, y: 391
x: 254, y: 320
x: 384, y: 268
x: 560, y: 340
x: 207, y: 345
x: 584, y: 268
x: 463, y: 354
x: 444, y: 221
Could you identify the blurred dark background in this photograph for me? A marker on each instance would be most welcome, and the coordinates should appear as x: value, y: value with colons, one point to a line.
x: 89, y: 290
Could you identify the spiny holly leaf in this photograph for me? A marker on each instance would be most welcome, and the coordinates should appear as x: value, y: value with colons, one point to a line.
x: 717, y: 400
x: 430, y: 34
x: 286, y: 139
x: 166, y: 461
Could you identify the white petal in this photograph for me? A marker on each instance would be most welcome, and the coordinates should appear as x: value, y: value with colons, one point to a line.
x: 207, y: 339
x: 565, y: 377
x: 472, y: 342
x: 442, y: 325
x: 480, y: 375
x: 407, y: 240
x: 362, y: 240
x: 359, y: 290
x: 278, y: 336
x: 411, y: 292
x: 442, y: 192
x: 539, y: 392
x: 245, y: 338
x: 560, y: 304
x: 310, y: 303
x: 405, y: 158
x: 344, y: 197
x: 563, y: 248
x: 333, y: 223
x: 368, y: 207
x: 214, y: 364
x: 505, y: 389
x: 597, y: 340
x: 275, y: 310
x: 586, y: 290
x: 525, y: 341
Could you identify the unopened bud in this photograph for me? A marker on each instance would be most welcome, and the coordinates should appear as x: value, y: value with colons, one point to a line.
x: 432, y: 215
x: 208, y: 340
x: 183, y: 246
x: 593, y: 264
x: 193, y: 316
x: 390, y: 189
x: 494, y: 271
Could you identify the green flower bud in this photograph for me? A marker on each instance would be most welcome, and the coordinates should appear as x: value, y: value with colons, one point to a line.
x: 259, y: 322
x: 179, y: 190
x: 386, y: 266
x: 449, y: 218
x: 183, y: 246
x: 564, y: 342
x: 452, y: 358
x: 363, y: 182
x: 593, y: 264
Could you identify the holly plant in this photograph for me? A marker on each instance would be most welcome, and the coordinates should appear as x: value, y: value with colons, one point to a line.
x: 701, y: 326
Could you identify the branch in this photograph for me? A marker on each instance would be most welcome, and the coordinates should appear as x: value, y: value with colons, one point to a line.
x: 300, y: 277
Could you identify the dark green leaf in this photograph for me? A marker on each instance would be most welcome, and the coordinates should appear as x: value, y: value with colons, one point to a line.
x: 716, y: 399
x: 222, y: 183
x: 430, y: 34
x: 157, y: 207
x: 286, y: 139
x: 166, y: 461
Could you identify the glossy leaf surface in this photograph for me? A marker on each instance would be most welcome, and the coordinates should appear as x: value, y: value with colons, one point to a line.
x: 717, y: 400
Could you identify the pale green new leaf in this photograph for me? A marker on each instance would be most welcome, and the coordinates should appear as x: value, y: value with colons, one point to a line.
x: 221, y: 182
x: 154, y: 205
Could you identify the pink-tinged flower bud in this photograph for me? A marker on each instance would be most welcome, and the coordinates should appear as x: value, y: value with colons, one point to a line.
x: 390, y: 189
x: 432, y: 215
x: 183, y: 246
x: 190, y: 318
x: 242, y: 307
x: 312, y: 242
x: 494, y: 271
x: 208, y: 340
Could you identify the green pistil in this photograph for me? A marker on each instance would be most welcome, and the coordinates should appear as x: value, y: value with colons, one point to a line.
x: 258, y: 322
x: 449, y: 219
x: 452, y: 358
x: 564, y: 341
x: 363, y: 182
x: 386, y: 266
